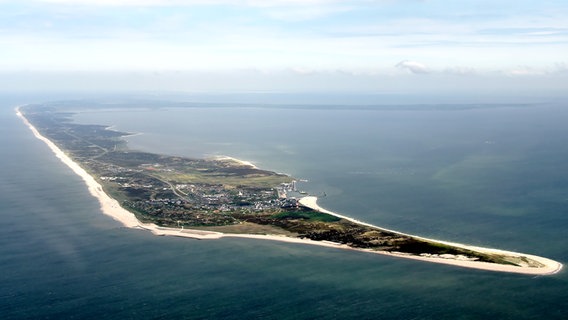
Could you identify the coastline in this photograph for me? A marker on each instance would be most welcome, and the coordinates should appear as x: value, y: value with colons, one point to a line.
x: 551, y: 266
x: 112, y: 208
x: 241, y: 162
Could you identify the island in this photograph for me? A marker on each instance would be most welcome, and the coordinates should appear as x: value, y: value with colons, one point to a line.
x: 226, y: 197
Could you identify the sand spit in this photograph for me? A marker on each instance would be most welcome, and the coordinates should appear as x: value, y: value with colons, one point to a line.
x: 550, y: 266
x: 112, y: 208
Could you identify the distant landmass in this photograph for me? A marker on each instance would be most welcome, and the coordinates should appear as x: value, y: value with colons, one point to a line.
x: 227, y: 197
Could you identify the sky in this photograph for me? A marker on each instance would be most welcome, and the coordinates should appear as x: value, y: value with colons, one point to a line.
x: 359, y: 46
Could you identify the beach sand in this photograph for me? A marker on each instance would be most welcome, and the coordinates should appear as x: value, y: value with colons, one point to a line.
x: 550, y: 266
x: 112, y: 208
x: 235, y: 160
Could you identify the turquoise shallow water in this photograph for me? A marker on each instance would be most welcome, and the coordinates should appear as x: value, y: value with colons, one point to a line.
x: 493, y: 177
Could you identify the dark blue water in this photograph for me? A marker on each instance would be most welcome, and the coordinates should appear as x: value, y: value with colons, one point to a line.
x: 494, y: 177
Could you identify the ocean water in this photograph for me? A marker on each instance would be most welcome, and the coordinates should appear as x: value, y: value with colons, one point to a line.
x: 493, y: 176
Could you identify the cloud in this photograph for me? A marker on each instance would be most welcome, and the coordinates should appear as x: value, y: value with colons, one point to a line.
x: 118, y: 3
x: 296, y: 13
x: 460, y: 71
x: 302, y: 71
x: 525, y: 71
x: 558, y: 68
x: 254, y: 3
x: 413, y: 66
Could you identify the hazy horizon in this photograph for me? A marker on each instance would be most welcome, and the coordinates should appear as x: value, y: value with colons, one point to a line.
x: 397, y: 48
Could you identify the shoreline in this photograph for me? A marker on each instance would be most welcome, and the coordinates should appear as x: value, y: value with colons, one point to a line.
x: 112, y: 208
x: 239, y: 161
x: 551, y: 266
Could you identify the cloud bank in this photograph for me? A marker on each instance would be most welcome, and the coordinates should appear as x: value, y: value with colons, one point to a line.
x: 413, y: 66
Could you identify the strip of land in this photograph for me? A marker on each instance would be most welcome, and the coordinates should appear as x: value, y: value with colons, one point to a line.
x: 548, y: 266
x: 289, y: 225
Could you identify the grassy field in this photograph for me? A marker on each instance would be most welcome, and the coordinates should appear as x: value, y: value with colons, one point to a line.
x: 200, y: 177
x: 249, y: 228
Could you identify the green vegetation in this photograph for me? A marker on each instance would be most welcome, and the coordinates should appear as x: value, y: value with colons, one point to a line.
x: 196, y: 176
x: 308, y: 215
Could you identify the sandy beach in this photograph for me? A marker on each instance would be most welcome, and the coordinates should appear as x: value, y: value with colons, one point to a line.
x: 241, y: 162
x: 550, y: 266
x: 112, y: 208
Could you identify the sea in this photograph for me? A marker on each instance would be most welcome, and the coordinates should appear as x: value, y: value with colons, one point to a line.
x: 493, y: 175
